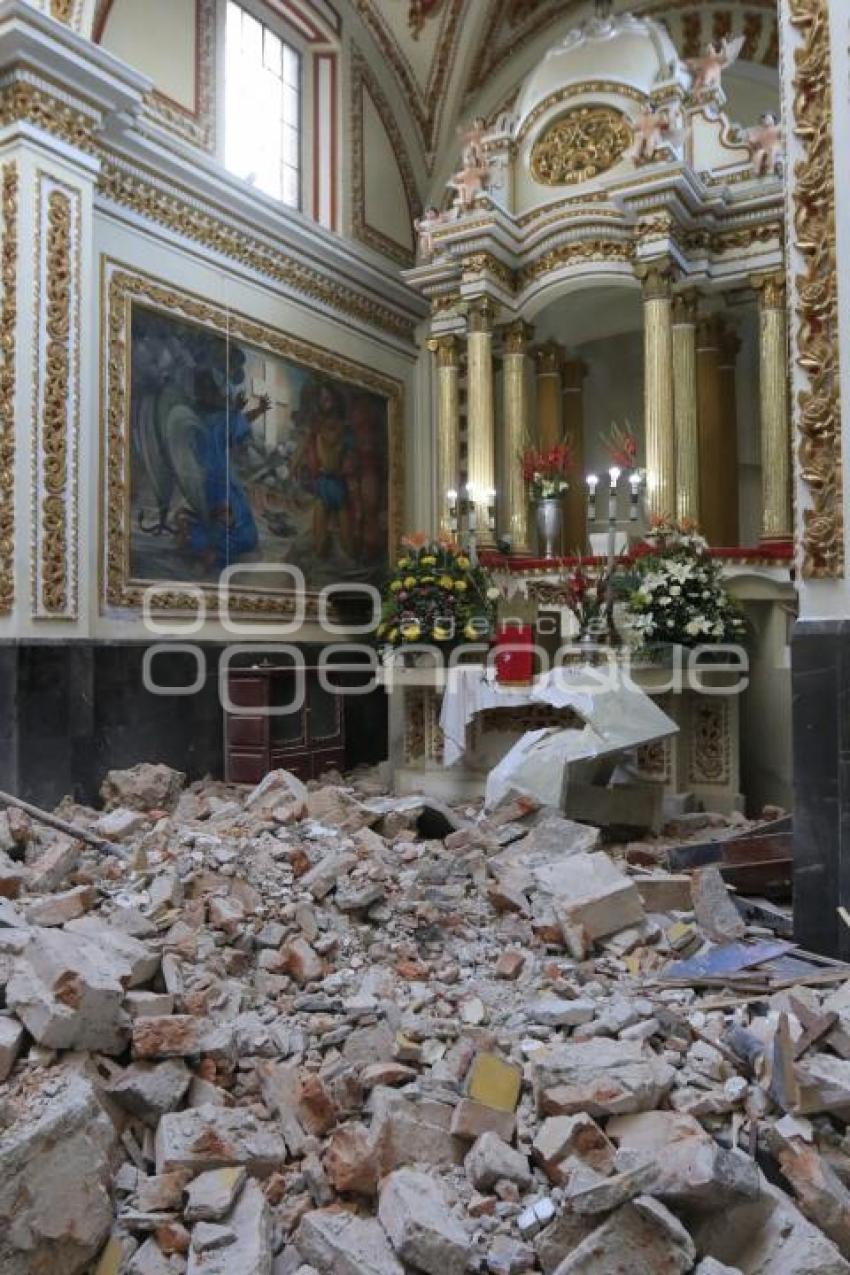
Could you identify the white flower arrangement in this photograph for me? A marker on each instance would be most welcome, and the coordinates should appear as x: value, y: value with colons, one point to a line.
x: 679, y: 596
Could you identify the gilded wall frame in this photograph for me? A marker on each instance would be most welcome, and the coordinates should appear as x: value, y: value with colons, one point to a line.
x: 122, y: 287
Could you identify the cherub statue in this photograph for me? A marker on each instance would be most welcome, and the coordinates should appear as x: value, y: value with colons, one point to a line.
x: 649, y: 129
x: 474, y: 176
x: 708, y: 69
x: 765, y: 143
x: 424, y: 227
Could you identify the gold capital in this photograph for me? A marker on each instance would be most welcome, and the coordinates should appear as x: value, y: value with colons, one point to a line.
x: 516, y: 337
x: 447, y: 350
x: 657, y: 280
x: 549, y: 358
x: 770, y: 289
x: 482, y: 315
x: 685, y: 307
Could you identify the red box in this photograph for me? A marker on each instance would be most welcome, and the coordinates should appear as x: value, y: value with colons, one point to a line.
x: 514, y: 657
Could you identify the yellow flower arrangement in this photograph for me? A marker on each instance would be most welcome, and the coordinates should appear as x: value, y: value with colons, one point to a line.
x: 436, y: 593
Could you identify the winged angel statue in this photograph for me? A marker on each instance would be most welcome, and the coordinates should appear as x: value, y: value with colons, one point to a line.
x: 708, y: 69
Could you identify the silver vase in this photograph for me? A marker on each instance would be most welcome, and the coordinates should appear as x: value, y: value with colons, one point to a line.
x: 549, y: 522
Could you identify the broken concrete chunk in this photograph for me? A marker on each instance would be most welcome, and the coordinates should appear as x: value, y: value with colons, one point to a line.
x: 561, y: 1138
x: 141, y: 962
x: 491, y: 1160
x: 171, y: 1036
x: 11, y: 1041
x: 665, y: 892
x: 211, y: 1196
x: 69, y: 993
x: 244, y: 1245
x: 643, y: 1238
x: 472, y: 1119
x: 716, y: 914
x: 214, y: 1137
x: 55, y: 1172
x: 769, y: 1236
x: 119, y: 824
x: 410, y: 1133
x: 144, y: 787
x: 415, y: 1212
x: 600, y: 1077
x: 351, y: 1161
x: 280, y: 794
x: 591, y: 892
x: 341, y: 1244
x: 150, y: 1090
x: 591, y: 1193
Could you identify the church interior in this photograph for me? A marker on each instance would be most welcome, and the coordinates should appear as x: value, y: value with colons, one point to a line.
x: 422, y: 421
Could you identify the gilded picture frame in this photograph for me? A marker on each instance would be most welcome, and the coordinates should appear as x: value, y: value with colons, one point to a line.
x: 128, y: 293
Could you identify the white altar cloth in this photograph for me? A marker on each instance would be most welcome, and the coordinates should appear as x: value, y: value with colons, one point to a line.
x: 617, y: 714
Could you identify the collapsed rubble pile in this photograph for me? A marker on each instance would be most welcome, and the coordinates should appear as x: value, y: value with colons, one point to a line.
x: 329, y: 1032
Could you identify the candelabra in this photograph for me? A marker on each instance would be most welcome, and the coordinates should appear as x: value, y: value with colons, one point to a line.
x: 635, y: 483
x: 463, y: 515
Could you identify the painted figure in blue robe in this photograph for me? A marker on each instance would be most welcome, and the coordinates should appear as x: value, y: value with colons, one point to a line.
x: 225, y: 530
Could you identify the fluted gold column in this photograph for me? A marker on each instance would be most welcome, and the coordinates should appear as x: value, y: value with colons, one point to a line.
x: 514, y: 520
x: 685, y: 306
x: 481, y: 442
x: 550, y: 409
x: 775, y: 424
x: 730, y: 346
x: 575, y: 506
x: 658, y: 390
x: 710, y: 418
x: 446, y: 350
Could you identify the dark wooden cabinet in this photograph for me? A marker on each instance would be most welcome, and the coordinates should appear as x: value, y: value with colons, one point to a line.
x: 260, y: 736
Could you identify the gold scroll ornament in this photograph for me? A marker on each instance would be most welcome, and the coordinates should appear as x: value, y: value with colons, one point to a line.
x: 580, y: 145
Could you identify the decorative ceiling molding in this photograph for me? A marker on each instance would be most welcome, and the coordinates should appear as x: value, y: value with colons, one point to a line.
x: 363, y: 82
x: 426, y: 103
x: 692, y: 24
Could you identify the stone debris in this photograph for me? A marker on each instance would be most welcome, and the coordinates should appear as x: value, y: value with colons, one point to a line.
x: 320, y: 1030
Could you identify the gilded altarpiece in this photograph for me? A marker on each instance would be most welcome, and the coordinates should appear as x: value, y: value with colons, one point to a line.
x: 231, y: 445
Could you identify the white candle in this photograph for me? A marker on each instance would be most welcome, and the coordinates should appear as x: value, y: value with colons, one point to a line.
x: 451, y: 497
x: 472, y: 513
x: 614, y: 475
x: 592, y: 484
x: 491, y: 508
x: 634, y: 483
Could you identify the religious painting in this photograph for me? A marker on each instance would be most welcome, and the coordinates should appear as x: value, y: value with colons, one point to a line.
x: 243, y: 447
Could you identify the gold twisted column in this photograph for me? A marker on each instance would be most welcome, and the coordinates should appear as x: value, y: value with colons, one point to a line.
x: 446, y: 350
x: 481, y: 443
x: 549, y: 359
x: 685, y: 306
x: 575, y: 506
x: 514, y: 512
x: 775, y: 425
x: 658, y: 390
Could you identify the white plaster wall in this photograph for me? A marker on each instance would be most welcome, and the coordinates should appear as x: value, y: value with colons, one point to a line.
x: 157, y: 37
x: 386, y: 207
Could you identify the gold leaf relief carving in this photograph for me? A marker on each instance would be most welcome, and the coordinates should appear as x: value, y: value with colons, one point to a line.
x: 580, y: 145
x: 8, y: 323
x: 816, y: 305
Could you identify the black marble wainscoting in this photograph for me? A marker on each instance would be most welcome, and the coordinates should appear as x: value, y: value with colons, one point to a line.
x: 71, y: 711
x: 820, y: 671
